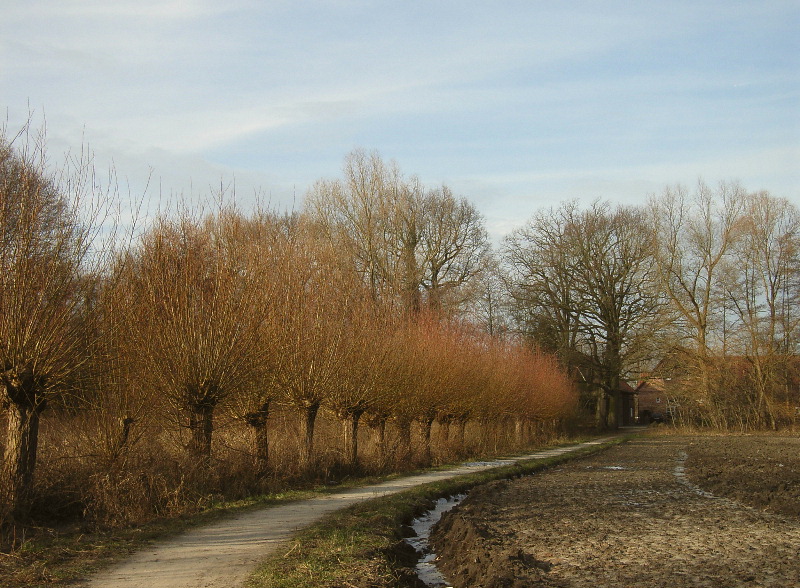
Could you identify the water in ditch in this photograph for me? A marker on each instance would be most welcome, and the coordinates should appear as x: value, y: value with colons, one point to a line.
x: 426, y: 566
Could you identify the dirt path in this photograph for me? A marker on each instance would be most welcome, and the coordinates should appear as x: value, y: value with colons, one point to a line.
x: 623, y: 518
x: 224, y: 554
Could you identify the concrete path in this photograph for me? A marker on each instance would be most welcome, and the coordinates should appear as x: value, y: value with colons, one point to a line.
x: 224, y: 554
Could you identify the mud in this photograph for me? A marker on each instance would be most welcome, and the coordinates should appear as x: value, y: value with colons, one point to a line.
x: 759, y: 470
x: 661, y: 512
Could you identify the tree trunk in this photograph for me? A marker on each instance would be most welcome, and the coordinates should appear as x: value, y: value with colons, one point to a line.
x: 350, y: 435
x: 519, y: 432
x: 444, y: 429
x: 460, y: 434
x: 257, y: 421
x: 124, y: 433
x: 119, y: 445
x: 307, y: 433
x: 427, y: 424
x: 602, y: 410
x: 378, y: 425
x: 616, y: 416
x: 19, y: 459
x: 404, y: 433
x: 201, y: 428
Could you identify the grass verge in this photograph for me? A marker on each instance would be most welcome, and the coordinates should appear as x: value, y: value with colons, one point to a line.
x: 59, y: 557
x: 50, y: 557
x: 362, y: 546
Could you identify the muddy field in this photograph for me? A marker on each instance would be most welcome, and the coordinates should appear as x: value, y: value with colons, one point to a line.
x: 659, y: 511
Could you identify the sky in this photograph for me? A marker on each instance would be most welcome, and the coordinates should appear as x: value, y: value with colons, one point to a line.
x: 515, y: 105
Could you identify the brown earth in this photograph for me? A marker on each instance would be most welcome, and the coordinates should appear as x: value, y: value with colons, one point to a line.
x: 648, y: 513
x: 759, y: 470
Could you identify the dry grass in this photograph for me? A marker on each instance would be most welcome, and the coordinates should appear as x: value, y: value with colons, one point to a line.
x: 91, y: 511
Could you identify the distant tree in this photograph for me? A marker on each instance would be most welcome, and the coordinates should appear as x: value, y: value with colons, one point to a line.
x: 760, y: 284
x: 411, y: 245
x: 583, y: 282
x: 358, y: 213
x: 694, y: 236
x: 454, y: 248
x: 544, y: 303
x: 490, y: 303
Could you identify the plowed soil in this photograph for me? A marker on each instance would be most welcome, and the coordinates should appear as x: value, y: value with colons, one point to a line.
x: 659, y: 511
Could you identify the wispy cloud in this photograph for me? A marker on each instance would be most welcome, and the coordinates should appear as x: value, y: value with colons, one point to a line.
x: 504, y: 99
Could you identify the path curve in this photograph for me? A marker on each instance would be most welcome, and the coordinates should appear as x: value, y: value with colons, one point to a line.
x: 224, y: 554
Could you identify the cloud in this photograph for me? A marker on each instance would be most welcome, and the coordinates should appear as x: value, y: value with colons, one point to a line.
x: 99, y: 9
x: 510, y: 102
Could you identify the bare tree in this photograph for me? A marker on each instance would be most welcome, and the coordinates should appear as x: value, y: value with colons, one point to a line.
x: 311, y: 310
x: 584, y: 280
x: 545, y: 304
x: 261, y: 249
x: 48, y: 227
x: 365, y: 364
x: 760, y: 284
x: 357, y: 213
x: 392, y: 381
x: 435, y: 373
x: 454, y: 248
x: 694, y: 235
x: 614, y: 276
x: 193, y: 322
x: 405, y: 241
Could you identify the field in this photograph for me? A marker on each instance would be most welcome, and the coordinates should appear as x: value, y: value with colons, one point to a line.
x: 759, y: 470
x: 660, y: 511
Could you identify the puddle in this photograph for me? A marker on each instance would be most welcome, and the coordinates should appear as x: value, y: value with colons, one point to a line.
x: 680, y: 475
x: 426, y: 567
x: 489, y: 464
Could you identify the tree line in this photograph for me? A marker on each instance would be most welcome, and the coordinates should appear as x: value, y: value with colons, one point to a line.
x: 197, y: 357
x: 696, y: 289
x: 221, y: 352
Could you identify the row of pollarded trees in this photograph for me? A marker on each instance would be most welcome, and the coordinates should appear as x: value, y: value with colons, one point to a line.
x: 704, y: 280
x: 221, y: 315
x: 234, y: 312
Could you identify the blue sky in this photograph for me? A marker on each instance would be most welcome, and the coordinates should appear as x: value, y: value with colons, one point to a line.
x: 514, y: 104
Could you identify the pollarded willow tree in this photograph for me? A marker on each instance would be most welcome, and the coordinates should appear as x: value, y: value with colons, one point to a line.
x: 48, y: 227
x: 260, y: 248
x: 365, y: 363
x: 311, y: 307
x: 435, y: 374
x: 192, y: 322
x: 466, y: 349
